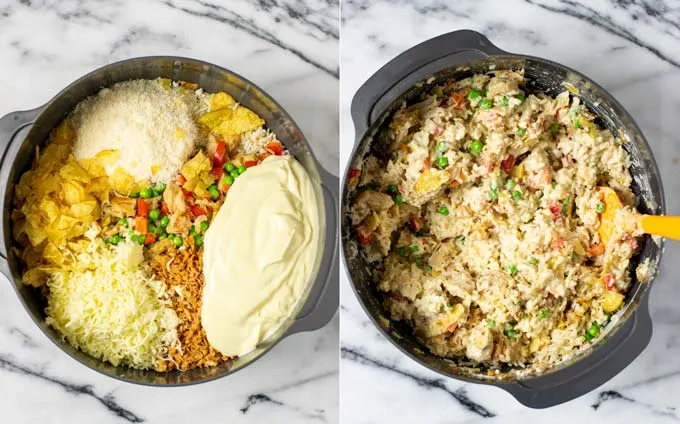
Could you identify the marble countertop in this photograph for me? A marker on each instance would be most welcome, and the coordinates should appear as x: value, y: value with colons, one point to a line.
x: 290, y: 49
x: 632, y: 48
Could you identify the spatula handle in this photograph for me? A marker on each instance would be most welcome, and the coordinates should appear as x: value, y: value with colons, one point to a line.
x: 665, y: 226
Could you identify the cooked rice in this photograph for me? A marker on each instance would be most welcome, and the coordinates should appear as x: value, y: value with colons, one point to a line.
x: 500, y: 272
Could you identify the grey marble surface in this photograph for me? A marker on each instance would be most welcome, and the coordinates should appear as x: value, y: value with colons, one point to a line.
x: 290, y: 49
x: 630, y: 47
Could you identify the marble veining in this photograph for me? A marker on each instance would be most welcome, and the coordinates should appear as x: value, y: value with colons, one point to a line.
x: 632, y: 48
x: 287, y: 47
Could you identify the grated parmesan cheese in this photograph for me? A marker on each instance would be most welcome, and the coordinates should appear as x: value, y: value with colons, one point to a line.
x: 108, y: 307
x: 152, y: 126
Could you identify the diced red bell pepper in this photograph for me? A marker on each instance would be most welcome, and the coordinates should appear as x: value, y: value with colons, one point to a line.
x: 275, y: 147
x: 353, y: 172
x: 558, y: 244
x: 180, y: 179
x: 556, y: 210
x: 164, y: 208
x: 507, y: 164
x: 608, y: 281
x: 416, y: 223
x: 150, y: 239
x: 189, y: 195
x: 141, y: 225
x: 250, y: 163
x: 142, y: 208
x: 217, y: 172
x: 364, y: 236
x: 197, y: 210
x: 218, y: 156
x: 596, y: 249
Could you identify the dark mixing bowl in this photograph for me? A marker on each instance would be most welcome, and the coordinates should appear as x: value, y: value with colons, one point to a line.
x: 20, y: 132
x: 459, y: 55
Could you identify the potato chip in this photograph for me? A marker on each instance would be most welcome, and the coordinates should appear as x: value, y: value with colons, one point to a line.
x: 221, y: 100
x: 430, y: 180
x: 73, y: 171
x: 50, y: 208
x: 231, y: 123
x: 72, y: 192
x: 64, y: 133
x: 86, y: 210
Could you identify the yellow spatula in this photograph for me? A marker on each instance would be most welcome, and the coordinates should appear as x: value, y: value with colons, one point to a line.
x: 665, y: 226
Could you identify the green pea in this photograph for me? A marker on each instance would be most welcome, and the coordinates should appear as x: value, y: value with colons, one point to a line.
x: 134, y: 195
x: 517, y: 195
x: 146, y: 193
x: 234, y: 173
x: 107, y: 240
x: 193, y: 231
x: 123, y: 222
x: 510, y: 332
x: 491, y: 323
x: 442, y: 162
x: 521, y: 132
x: 227, y: 180
x: 140, y: 239
x: 520, y: 96
x: 443, y: 210
x: 493, y: 195
x: 115, y: 239
x: 533, y: 261
x: 214, y: 194
x: 398, y: 199
x: 554, y: 127
x: 402, y: 251
x: 162, y: 237
x: 164, y: 221
x: 241, y: 169
x: 414, y: 248
x: 512, y: 269
x: 476, y: 147
x: 485, y: 104
x: 155, y: 214
x: 178, y: 241
x: 392, y: 189
x: 594, y: 330
x: 155, y: 230
x: 229, y: 167
x: 442, y: 147
x: 600, y: 207
x: 510, y: 184
x: 504, y: 101
x: 204, y: 226
x: 543, y: 313
x: 473, y: 94
x: 131, y: 235
x: 159, y: 189
x: 577, y: 123
x: 198, y: 241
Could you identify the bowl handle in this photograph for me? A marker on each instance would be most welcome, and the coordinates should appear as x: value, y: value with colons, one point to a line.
x: 592, y: 371
x: 413, y: 66
x: 10, y: 125
x: 324, y: 298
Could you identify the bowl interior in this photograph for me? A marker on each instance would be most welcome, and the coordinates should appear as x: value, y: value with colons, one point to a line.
x: 211, y: 79
x: 548, y: 77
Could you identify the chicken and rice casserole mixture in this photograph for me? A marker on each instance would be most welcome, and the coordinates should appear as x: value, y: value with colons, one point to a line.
x: 481, y: 216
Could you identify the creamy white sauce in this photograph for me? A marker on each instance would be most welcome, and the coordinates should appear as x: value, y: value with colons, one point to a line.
x: 258, y: 254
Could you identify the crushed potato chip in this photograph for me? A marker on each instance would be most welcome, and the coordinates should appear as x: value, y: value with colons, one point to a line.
x: 221, y: 100
x: 231, y: 122
x: 195, y: 170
